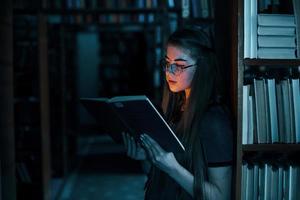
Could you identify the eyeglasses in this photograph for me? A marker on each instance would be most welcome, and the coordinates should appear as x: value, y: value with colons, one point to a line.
x: 174, y: 68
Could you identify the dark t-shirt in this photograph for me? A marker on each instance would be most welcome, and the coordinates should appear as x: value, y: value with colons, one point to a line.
x: 218, y: 148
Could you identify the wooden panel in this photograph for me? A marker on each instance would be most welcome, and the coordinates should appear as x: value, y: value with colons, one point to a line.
x: 7, y: 165
x: 44, y: 103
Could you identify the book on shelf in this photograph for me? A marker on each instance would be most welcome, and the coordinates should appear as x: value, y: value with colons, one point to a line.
x: 280, y: 112
x: 261, y: 111
x: 276, y: 30
x: 286, y: 102
x: 261, y: 181
x: 272, y: 111
x: 270, y: 181
x: 253, y: 29
x: 276, y: 20
x: 296, y: 107
x: 250, y: 29
x: 135, y: 115
x: 245, y: 120
x: 247, y: 28
x: 296, y: 6
x: 276, y: 53
x: 267, y: 181
x: 276, y: 41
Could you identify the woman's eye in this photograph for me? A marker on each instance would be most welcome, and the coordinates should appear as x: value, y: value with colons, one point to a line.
x: 179, y: 66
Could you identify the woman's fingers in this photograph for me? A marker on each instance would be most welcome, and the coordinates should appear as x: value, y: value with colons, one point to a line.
x: 153, y: 144
x: 152, y: 151
x: 133, y: 149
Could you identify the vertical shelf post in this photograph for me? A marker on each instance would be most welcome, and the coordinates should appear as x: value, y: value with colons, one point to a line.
x: 44, y: 104
x: 7, y: 145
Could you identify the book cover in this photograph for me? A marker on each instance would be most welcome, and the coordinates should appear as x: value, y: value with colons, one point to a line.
x: 138, y: 115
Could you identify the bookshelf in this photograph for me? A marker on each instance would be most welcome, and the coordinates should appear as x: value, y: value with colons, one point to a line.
x: 45, y: 88
x: 267, y: 160
x: 7, y: 140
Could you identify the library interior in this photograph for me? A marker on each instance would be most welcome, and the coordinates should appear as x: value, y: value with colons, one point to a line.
x: 56, y: 52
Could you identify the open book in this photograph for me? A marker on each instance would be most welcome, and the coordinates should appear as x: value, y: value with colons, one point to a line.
x: 135, y: 115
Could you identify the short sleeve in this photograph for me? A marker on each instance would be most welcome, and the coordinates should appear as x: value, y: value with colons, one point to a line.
x: 217, y: 137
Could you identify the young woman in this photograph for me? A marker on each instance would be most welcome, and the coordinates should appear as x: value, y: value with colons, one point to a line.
x: 192, y: 104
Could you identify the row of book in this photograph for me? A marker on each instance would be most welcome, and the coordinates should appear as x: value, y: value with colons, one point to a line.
x: 266, y: 181
x: 132, y: 18
x: 269, y: 35
x: 271, y: 111
x: 98, y: 4
x: 110, y: 4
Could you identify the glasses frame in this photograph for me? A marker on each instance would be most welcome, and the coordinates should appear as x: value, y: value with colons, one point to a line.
x: 174, y: 70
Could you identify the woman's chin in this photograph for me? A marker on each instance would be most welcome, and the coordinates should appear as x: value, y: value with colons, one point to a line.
x: 174, y: 89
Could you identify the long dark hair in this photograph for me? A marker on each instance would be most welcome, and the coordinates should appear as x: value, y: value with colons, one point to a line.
x: 205, y: 90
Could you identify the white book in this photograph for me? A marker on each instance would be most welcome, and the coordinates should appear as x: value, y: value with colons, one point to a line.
x: 291, y: 109
x: 244, y: 181
x: 276, y: 41
x: 286, y: 110
x: 276, y: 53
x: 276, y: 30
x: 245, y: 114
x: 253, y: 30
x: 261, y: 182
x: 286, y: 183
x: 252, y: 138
x: 276, y: 20
x: 272, y: 110
x: 280, y: 113
x: 297, y: 182
x: 255, y: 181
x: 280, y: 184
x: 260, y: 111
x: 292, y: 182
x: 267, y: 183
x: 274, y: 183
x: 296, y: 107
x: 296, y: 6
x: 249, y: 183
x: 247, y: 28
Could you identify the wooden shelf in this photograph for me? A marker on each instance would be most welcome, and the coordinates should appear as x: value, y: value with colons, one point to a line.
x: 272, y: 62
x: 96, y: 11
x: 284, y: 148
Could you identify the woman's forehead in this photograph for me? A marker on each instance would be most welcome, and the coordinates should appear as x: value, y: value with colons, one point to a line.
x: 175, y: 52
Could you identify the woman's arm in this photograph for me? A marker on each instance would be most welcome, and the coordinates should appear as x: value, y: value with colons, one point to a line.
x: 218, y: 187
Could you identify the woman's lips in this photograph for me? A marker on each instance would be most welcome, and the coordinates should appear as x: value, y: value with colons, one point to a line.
x: 172, y: 82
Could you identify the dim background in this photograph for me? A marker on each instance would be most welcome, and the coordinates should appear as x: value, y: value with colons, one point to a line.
x: 55, y: 52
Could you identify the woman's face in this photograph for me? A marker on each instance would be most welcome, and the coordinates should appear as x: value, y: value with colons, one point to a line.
x: 181, y: 58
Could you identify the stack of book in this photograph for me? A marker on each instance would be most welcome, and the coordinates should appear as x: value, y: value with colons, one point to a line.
x: 276, y: 36
x: 271, y: 112
x: 266, y: 181
x: 271, y: 36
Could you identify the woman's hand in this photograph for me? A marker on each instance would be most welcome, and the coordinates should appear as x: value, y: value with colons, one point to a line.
x: 165, y: 161
x: 134, y: 149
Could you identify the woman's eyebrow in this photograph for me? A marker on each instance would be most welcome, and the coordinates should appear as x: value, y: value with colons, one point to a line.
x: 177, y: 59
